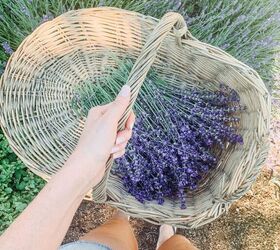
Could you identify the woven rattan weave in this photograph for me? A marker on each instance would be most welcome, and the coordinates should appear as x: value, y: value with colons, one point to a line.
x: 37, y: 88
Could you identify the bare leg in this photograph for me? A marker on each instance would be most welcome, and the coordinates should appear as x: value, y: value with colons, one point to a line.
x: 116, y: 234
x: 169, y: 241
x: 165, y: 232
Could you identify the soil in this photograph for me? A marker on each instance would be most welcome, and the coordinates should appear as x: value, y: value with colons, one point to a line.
x: 253, y: 222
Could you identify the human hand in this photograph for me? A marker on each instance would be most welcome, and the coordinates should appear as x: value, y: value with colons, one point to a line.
x: 100, y: 138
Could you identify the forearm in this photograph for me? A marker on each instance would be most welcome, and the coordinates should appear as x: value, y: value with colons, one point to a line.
x: 43, y: 224
x: 45, y: 221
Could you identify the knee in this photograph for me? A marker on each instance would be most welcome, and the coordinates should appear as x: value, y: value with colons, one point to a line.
x: 184, y: 241
x: 180, y: 237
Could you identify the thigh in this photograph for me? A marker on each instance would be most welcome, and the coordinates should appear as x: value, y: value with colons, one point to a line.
x: 117, y: 234
x: 177, y: 242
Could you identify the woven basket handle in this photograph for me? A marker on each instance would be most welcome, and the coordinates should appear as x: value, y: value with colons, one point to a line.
x: 138, y: 75
x: 149, y: 53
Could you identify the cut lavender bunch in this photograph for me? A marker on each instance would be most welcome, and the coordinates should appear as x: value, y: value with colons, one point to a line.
x: 177, y: 136
x: 161, y: 163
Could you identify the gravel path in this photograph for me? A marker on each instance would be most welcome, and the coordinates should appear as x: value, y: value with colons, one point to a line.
x: 252, y: 223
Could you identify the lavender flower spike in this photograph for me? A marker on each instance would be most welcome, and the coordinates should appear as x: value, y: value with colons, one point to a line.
x: 47, y: 17
x: 7, y: 48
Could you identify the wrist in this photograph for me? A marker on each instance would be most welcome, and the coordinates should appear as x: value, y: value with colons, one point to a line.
x: 88, y: 168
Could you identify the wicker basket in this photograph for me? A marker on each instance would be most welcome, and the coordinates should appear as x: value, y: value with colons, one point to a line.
x: 37, y: 88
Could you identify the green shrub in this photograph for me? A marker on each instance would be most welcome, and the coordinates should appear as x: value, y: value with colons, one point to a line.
x: 18, y: 185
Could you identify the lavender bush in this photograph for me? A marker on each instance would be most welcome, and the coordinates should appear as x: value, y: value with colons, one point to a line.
x: 249, y: 30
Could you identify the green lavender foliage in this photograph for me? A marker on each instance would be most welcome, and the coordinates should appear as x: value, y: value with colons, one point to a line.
x: 105, y: 88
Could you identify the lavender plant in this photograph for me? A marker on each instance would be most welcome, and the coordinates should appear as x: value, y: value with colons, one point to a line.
x: 248, y: 30
x: 177, y: 134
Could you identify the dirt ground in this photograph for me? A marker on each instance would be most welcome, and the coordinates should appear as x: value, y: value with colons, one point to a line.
x: 251, y: 223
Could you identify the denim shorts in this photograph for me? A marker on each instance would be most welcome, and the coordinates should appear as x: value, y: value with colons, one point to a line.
x: 84, y: 245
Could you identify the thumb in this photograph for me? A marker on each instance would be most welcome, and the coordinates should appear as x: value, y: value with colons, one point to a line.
x: 120, y: 104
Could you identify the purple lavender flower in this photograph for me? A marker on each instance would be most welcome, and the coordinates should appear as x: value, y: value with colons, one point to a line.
x: 241, y: 18
x: 25, y: 11
x: 2, y: 67
x: 47, y: 17
x: 165, y: 163
x: 225, y: 46
x: 7, y: 48
x: 101, y: 3
x: 177, y: 5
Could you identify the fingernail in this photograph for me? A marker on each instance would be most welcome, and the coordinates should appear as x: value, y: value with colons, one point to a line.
x: 115, y: 156
x: 114, y: 149
x: 131, y: 125
x: 118, y: 155
x: 125, y: 91
x: 120, y: 140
